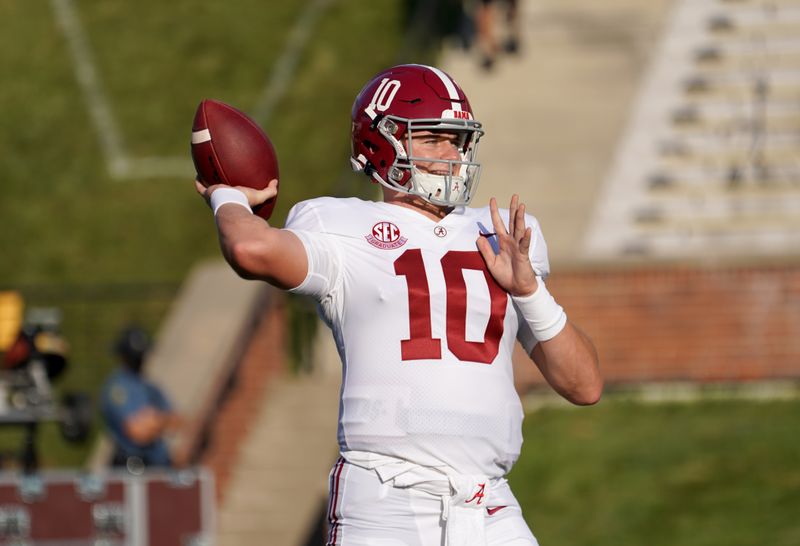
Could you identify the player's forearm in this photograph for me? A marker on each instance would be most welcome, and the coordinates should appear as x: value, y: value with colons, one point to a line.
x: 570, y: 364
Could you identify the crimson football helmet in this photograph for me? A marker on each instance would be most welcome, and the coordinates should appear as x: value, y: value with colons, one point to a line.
x: 405, y: 99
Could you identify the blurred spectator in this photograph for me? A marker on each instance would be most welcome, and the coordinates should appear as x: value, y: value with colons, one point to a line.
x: 489, y: 43
x: 136, y: 412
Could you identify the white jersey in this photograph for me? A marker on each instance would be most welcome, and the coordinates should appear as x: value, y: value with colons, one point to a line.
x: 424, y: 332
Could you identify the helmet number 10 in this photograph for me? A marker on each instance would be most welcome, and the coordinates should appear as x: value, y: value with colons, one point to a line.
x: 383, y: 97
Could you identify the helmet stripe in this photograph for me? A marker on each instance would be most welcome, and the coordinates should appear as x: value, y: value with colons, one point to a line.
x: 449, y: 85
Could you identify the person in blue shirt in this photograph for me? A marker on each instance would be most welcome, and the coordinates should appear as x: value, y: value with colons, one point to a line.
x: 136, y: 412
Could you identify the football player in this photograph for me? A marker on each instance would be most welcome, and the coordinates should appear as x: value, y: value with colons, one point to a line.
x: 425, y: 298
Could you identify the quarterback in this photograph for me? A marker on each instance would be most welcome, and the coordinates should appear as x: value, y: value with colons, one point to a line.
x: 425, y: 297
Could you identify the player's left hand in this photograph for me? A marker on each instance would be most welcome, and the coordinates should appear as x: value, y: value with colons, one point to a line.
x: 510, y: 266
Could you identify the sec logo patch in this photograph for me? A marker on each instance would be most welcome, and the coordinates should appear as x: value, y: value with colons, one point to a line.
x: 386, y: 236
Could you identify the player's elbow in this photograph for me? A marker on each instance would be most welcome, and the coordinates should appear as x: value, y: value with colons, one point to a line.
x: 587, y: 387
x: 584, y: 389
x: 589, y: 394
x: 249, y: 258
x: 266, y: 259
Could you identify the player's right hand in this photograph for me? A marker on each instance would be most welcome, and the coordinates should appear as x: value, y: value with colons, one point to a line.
x: 511, y: 267
x: 254, y: 197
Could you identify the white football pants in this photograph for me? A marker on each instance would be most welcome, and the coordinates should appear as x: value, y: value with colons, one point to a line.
x: 363, y: 511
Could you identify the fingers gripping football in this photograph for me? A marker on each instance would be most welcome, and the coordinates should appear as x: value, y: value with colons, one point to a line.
x: 510, y: 266
x: 255, y: 197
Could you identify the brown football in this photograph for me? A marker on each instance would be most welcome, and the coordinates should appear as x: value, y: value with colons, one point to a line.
x: 228, y: 147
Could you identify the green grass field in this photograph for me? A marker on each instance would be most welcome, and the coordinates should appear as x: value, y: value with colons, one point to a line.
x: 106, y: 250
x: 624, y: 473
x: 66, y: 220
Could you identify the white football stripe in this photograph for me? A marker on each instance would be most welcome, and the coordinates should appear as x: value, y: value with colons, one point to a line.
x: 449, y: 85
x: 198, y: 137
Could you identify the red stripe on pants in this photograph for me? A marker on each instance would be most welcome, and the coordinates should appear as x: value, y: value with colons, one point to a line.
x: 333, y: 501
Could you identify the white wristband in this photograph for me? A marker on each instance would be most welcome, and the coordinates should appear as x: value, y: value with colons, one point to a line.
x: 544, y: 316
x: 223, y: 196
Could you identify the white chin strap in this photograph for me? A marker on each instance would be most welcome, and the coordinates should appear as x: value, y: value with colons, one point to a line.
x: 434, y: 187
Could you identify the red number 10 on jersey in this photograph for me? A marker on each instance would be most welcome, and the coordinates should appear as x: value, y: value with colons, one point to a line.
x: 421, y: 344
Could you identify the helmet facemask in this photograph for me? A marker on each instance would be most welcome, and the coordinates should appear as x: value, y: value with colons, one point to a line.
x: 456, y: 185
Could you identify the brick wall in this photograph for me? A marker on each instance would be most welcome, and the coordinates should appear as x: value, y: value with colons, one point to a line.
x: 726, y: 324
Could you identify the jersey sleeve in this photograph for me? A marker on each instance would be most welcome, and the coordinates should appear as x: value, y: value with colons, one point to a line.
x: 324, y: 262
x: 538, y: 249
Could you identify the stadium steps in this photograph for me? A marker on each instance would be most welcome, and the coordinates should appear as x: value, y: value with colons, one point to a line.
x: 714, y: 58
x: 702, y: 89
x: 729, y: 154
x: 709, y: 167
x: 712, y: 120
x: 554, y: 113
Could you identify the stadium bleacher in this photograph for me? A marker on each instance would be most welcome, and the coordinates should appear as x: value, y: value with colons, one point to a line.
x: 709, y: 167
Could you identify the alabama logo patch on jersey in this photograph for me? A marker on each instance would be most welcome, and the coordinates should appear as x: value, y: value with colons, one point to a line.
x: 385, y: 235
